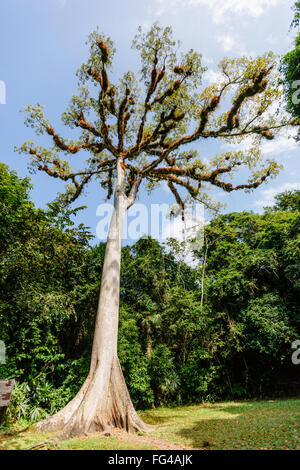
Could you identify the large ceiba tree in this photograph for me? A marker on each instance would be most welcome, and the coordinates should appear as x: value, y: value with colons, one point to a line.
x: 142, y: 131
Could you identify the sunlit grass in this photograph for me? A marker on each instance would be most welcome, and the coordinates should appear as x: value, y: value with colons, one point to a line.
x: 271, y: 424
x: 102, y: 443
x: 232, y: 425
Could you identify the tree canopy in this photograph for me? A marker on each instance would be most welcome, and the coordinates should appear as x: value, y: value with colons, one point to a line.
x: 151, y: 121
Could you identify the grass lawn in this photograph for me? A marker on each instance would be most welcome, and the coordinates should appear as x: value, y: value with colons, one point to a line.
x: 271, y: 424
x: 232, y: 425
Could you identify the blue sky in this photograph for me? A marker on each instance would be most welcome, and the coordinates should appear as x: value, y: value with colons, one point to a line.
x: 43, y: 43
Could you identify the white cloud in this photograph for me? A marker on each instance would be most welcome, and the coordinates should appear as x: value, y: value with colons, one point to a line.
x: 272, y: 39
x: 207, y: 60
x: 190, y: 228
x: 269, y: 194
x: 182, y: 230
x: 213, y: 76
x: 227, y: 42
x: 284, y: 142
x: 220, y: 8
x: 243, y: 52
x: 279, y: 145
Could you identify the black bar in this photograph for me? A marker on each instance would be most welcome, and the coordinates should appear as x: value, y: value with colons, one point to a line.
x: 159, y: 458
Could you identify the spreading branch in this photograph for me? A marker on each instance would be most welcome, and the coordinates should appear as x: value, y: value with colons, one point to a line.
x: 135, y: 138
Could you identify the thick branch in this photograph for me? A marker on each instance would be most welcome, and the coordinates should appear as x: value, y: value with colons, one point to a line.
x: 60, y: 143
x: 259, y: 85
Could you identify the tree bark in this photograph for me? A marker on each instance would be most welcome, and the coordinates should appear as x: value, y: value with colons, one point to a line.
x: 103, y: 402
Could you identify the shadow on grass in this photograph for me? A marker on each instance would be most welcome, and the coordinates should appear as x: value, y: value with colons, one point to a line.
x: 245, y: 426
x: 156, y: 419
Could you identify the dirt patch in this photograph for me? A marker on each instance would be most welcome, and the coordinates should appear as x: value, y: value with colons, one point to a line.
x: 152, y: 441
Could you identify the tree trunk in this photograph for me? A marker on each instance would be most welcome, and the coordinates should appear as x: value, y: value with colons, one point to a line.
x: 103, y: 401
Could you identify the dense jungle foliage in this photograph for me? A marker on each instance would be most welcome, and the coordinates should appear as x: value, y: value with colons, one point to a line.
x: 175, y: 344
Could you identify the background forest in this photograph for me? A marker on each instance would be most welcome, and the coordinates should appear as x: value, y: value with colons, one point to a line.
x: 175, y: 344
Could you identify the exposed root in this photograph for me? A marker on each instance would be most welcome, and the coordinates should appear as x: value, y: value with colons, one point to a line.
x: 59, y: 420
x: 102, y: 404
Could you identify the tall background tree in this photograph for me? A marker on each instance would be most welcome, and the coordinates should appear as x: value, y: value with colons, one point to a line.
x: 135, y: 136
